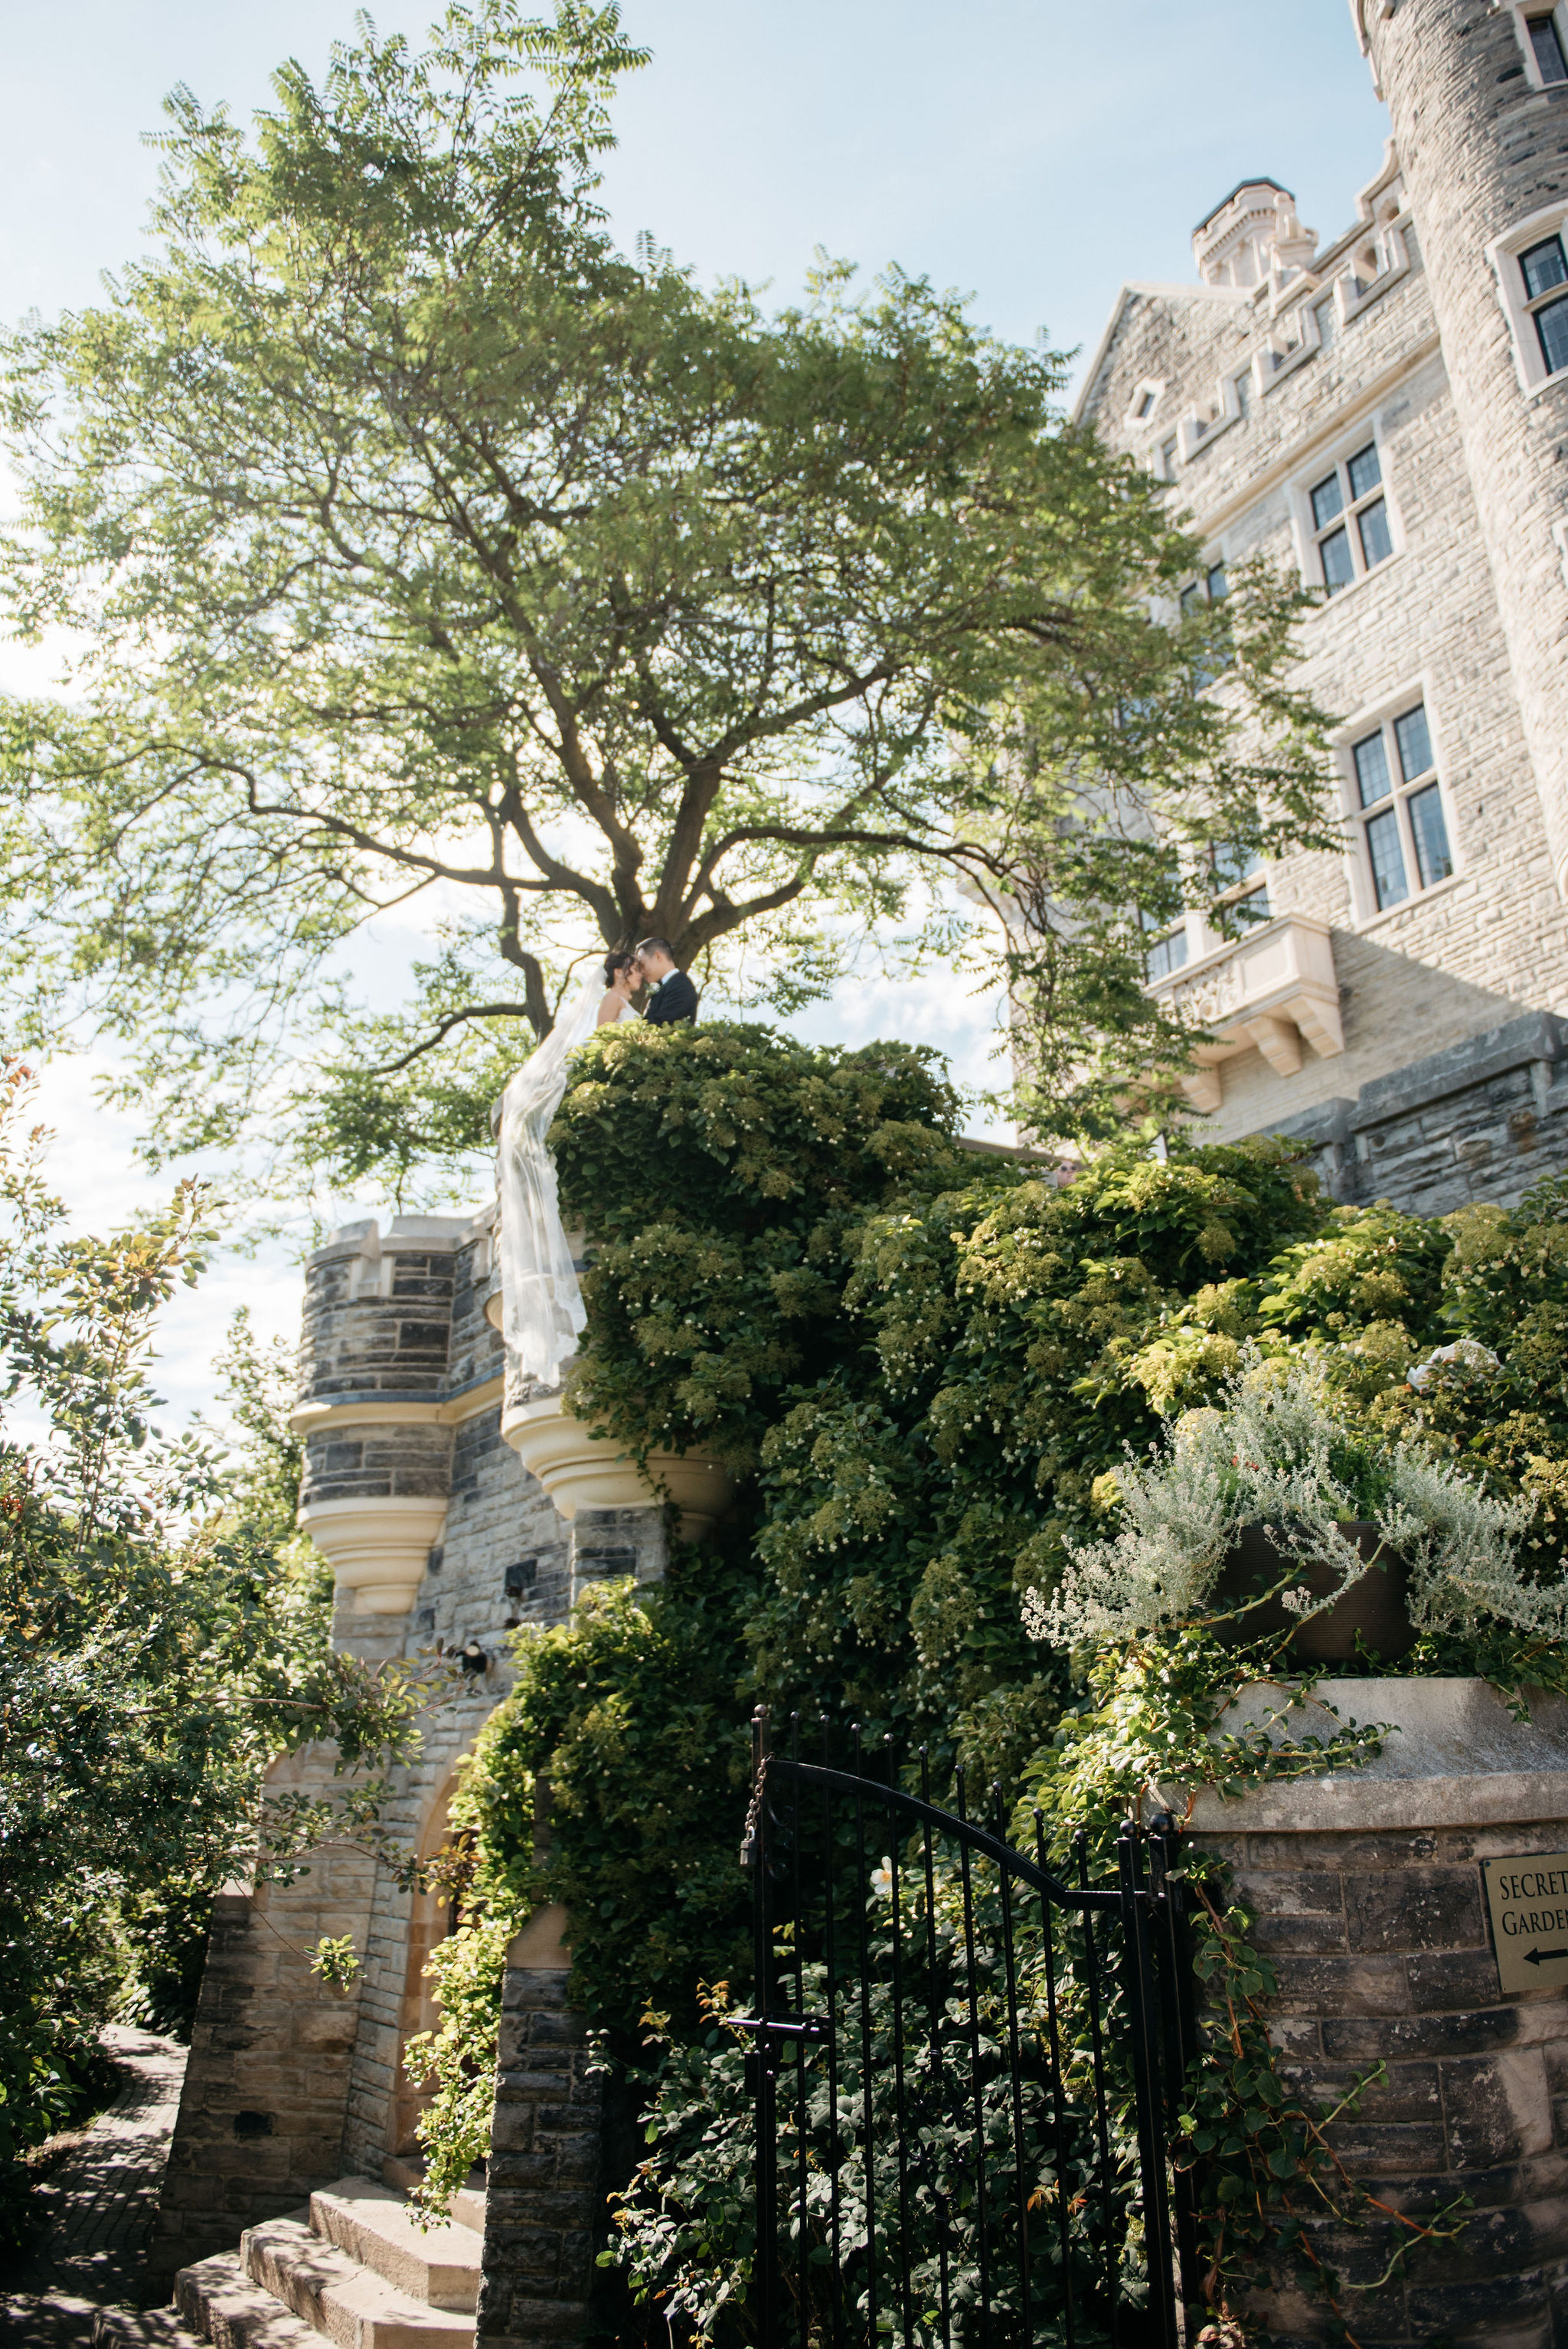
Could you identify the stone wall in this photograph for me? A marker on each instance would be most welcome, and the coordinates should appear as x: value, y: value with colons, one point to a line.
x: 1482, y: 1120
x: 1367, y: 1893
x: 544, y: 2203
x: 266, y: 2088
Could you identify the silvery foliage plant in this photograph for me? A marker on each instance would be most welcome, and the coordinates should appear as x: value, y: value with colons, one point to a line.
x: 1280, y: 1452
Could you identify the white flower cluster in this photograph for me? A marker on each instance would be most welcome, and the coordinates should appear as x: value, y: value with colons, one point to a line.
x: 1267, y: 1458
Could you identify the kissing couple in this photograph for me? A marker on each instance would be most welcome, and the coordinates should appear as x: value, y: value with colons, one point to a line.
x: 652, y: 966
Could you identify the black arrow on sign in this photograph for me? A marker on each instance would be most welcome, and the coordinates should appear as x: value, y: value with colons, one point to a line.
x: 1542, y: 1956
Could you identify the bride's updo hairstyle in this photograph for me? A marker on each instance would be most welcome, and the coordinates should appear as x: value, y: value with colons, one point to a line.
x: 614, y: 964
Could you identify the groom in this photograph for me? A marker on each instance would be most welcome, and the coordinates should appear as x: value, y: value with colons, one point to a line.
x: 673, y: 997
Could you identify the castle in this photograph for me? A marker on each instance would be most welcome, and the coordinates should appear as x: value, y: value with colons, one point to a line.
x: 1389, y: 414
x: 1386, y: 415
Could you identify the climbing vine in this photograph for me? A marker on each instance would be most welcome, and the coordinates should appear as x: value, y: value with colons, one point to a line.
x: 931, y: 1373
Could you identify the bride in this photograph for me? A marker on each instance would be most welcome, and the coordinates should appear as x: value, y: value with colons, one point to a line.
x: 622, y: 978
x: 542, y: 1302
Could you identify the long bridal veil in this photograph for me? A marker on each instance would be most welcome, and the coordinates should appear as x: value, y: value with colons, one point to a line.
x: 542, y: 1303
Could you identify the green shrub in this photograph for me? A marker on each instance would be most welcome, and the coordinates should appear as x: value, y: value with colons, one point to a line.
x: 930, y: 1373
x: 720, y: 1172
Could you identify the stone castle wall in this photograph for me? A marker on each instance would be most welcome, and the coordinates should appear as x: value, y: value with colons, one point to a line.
x: 1366, y: 1892
x: 1440, y: 621
x: 291, y: 2084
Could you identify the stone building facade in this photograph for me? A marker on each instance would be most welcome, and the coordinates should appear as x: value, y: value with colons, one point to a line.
x: 1387, y: 414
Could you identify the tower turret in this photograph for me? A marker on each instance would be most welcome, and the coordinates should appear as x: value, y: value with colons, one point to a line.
x: 1479, y: 98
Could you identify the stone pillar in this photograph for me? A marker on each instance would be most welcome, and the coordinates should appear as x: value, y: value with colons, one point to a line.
x: 1480, y: 149
x: 544, y: 2199
x: 272, y: 2047
x: 1369, y: 1895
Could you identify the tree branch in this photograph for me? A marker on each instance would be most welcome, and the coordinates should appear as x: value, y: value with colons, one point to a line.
x: 444, y: 1028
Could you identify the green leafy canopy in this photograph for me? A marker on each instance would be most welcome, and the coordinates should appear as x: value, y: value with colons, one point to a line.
x: 420, y: 547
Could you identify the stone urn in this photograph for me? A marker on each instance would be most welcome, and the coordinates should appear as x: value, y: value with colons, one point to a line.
x: 1374, y: 1604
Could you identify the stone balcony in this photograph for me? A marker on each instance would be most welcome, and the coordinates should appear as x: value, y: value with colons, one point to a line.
x: 1275, y: 988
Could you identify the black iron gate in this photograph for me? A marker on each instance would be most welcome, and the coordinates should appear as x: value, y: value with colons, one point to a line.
x: 964, y: 2068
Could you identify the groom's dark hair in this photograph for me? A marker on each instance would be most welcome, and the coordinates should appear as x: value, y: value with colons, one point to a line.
x: 661, y: 945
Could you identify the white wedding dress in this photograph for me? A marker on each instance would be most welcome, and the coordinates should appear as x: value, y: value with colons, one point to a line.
x: 542, y: 1302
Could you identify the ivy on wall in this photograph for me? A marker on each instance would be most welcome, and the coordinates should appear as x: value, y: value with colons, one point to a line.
x: 927, y: 1370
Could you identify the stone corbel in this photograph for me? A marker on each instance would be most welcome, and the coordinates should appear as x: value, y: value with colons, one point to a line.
x: 1203, y: 1088
x: 1278, y: 1041
x: 378, y: 1548
x: 582, y: 1471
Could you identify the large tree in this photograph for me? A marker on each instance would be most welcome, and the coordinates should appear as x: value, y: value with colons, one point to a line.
x: 416, y: 544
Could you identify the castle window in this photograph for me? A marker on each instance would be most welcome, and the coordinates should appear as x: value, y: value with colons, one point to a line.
x: 1348, y: 520
x: 1241, y: 894
x: 1241, y: 385
x: 1529, y: 272
x: 1210, y: 586
x: 1544, y: 269
x: 1167, y: 952
x: 1546, y: 46
x: 1165, y: 463
x: 1145, y: 399
x: 1399, y: 809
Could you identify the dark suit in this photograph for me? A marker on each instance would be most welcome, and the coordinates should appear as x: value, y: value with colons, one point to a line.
x: 674, y: 998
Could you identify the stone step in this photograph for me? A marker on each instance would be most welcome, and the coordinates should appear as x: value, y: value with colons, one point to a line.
x: 404, y: 2171
x: 220, y: 2303
x: 350, y: 2304
x: 142, y: 2328
x: 440, y: 2265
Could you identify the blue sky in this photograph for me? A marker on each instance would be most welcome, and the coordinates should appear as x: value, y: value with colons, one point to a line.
x: 1030, y: 153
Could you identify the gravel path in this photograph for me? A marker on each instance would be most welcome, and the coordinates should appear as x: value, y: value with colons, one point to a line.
x: 103, y: 2195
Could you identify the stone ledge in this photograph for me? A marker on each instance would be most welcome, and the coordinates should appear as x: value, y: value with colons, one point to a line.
x: 371, y: 1410
x: 1490, y: 1053
x: 1455, y: 1757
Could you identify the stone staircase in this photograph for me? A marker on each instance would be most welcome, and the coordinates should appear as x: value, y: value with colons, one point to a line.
x: 353, y: 2268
